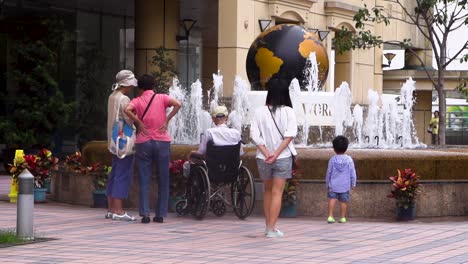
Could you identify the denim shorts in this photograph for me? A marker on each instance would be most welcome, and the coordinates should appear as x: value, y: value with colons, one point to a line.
x: 342, y: 197
x: 282, y: 169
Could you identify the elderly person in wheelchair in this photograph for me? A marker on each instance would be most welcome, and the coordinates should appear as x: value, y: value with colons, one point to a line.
x: 220, y: 135
x: 213, y: 167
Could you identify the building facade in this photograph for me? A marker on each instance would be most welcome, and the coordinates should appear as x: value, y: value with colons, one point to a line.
x: 110, y: 35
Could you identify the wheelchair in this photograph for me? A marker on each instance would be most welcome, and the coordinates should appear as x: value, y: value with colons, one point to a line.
x: 211, y: 180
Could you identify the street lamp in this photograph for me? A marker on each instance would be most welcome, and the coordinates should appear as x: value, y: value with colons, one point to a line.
x: 389, y: 56
x: 264, y: 23
x: 323, y: 34
x: 187, y: 24
x: 313, y: 30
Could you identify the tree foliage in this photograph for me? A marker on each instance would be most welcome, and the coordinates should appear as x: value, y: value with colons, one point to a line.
x: 91, y: 118
x: 434, y: 19
x: 38, y: 107
x: 165, y: 70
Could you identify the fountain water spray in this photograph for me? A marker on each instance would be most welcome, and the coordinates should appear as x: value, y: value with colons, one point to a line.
x: 371, y: 126
x: 299, y: 109
x: 358, y: 116
x: 240, y: 104
x: 192, y: 120
x: 407, y: 99
x: 177, y: 127
x: 385, y: 127
x: 217, y: 90
x: 342, y: 105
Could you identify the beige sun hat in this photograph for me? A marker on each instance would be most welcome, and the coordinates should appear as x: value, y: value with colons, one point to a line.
x: 219, y: 111
x: 125, y: 78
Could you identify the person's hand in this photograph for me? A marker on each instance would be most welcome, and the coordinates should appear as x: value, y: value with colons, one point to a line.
x: 163, y: 128
x: 141, y: 128
x: 267, y: 154
x: 272, y: 158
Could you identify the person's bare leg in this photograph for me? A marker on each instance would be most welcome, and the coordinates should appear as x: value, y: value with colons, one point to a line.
x: 109, y: 204
x: 275, y: 207
x: 344, y: 206
x: 331, y: 206
x: 117, y: 206
x: 267, y: 185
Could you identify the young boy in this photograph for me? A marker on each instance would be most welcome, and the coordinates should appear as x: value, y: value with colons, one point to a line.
x: 341, y: 177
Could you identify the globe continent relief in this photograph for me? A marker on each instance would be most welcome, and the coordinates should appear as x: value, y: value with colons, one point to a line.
x: 282, y: 52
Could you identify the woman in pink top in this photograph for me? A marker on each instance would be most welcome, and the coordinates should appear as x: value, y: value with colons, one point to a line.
x: 148, y: 111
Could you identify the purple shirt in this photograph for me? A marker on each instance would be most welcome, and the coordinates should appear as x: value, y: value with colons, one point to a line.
x: 341, y: 174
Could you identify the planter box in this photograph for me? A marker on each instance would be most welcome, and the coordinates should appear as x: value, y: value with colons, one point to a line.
x: 40, y: 195
x: 100, y: 199
x: 403, y: 214
x: 72, y: 187
x: 289, y: 211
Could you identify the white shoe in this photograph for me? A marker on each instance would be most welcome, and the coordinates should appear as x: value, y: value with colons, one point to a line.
x: 123, y: 217
x: 108, y: 215
x: 274, y: 233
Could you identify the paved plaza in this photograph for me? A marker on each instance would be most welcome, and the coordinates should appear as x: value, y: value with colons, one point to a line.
x: 83, y: 235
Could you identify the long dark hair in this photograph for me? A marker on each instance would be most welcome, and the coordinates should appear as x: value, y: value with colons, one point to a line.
x: 278, y: 93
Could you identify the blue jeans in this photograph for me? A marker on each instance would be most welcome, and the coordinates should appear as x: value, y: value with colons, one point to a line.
x: 146, y: 153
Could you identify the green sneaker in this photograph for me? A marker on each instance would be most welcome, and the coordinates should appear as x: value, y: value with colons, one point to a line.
x: 342, y: 220
x: 331, y: 220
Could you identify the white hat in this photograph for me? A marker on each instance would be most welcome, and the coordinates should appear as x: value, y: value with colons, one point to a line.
x: 219, y: 111
x: 125, y: 78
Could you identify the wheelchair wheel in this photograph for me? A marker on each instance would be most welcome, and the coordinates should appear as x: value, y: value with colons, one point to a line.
x: 218, y: 207
x: 181, y: 207
x: 199, y: 192
x: 243, y: 193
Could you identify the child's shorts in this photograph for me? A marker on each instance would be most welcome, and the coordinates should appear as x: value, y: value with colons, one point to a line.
x: 342, y: 197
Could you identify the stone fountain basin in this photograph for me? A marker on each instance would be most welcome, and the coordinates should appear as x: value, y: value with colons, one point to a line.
x: 443, y: 172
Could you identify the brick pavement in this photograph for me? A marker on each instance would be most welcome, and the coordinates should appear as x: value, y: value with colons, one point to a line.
x: 83, y: 235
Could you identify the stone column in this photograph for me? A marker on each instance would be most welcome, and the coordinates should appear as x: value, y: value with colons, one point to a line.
x: 235, y: 34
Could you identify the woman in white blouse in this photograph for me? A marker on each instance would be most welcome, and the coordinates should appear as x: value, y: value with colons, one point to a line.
x: 273, y: 130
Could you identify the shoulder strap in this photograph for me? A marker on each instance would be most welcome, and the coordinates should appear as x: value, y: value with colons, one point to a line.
x: 146, y: 110
x: 272, y: 117
x: 118, y: 109
x: 279, y: 131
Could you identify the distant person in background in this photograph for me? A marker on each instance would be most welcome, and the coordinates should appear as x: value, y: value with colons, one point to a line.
x: 120, y: 177
x: 434, y: 123
x: 153, y: 143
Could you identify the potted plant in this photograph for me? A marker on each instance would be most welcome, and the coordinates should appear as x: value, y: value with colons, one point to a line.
x: 40, y: 166
x: 73, y: 163
x: 405, y: 188
x: 289, y: 199
x: 178, y: 182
